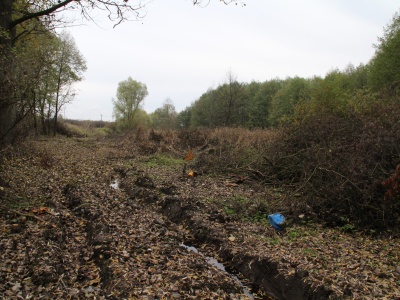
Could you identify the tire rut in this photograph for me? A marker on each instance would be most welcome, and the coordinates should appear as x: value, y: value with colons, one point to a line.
x: 205, y: 231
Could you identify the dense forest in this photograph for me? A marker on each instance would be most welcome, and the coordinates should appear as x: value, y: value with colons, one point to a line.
x: 347, y: 93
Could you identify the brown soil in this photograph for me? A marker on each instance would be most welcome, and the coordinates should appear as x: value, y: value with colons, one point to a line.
x: 66, y: 233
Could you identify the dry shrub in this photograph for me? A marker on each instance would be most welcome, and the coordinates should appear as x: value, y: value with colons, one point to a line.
x: 342, y: 166
x: 234, y: 149
x: 147, y: 141
x: 215, y: 150
x: 392, y: 184
x: 192, y: 138
x: 339, y: 164
x: 64, y: 129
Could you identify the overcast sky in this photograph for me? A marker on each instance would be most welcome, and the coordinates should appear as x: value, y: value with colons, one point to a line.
x: 180, y: 51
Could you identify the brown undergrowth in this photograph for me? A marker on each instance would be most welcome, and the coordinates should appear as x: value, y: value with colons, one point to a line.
x: 67, y: 233
x: 335, y: 168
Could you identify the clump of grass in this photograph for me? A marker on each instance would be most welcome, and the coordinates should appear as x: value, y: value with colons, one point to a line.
x: 254, y: 210
x: 162, y: 160
x: 83, y: 130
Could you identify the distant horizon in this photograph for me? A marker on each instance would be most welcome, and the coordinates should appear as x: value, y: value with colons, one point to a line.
x: 180, y: 51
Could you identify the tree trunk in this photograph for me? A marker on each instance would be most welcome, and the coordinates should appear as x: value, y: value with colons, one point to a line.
x: 48, y: 120
x: 60, y: 72
x: 43, y: 120
x: 7, y: 35
x: 6, y: 9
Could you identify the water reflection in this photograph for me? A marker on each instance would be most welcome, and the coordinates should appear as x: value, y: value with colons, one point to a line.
x: 115, y: 184
x: 215, y: 263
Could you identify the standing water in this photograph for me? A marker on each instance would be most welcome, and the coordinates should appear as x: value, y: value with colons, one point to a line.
x: 215, y: 263
x: 115, y: 184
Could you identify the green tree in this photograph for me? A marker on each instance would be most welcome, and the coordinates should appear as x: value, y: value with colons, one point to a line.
x: 44, y: 69
x: 142, y: 118
x: 47, y: 85
x: 223, y: 106
x: 384, y: 68
x: 68, y: 66
x: 20, y: 18
x: 261, y: 103
x: 292, y: 91
x: 130, y: 96
x: 358, y: 76
x: 184, y: 117
x: 204, y: 112
x: 337, y: 93
x: 330, y: 94
x: 166, y: 116
x: 231, y: 101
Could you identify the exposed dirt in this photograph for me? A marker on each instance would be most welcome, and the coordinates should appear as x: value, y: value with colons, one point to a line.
x: 67, y: 233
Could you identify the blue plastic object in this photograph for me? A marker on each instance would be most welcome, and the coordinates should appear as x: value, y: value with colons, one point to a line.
x: 277, y: 221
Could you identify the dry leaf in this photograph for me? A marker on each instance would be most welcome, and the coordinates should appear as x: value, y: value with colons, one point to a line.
x: 189, y: 156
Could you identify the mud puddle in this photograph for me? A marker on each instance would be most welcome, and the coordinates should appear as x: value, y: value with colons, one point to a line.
x: 115, y: 184
x: 215, y: 263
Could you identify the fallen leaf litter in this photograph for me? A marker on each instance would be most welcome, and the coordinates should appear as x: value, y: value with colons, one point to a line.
x: 65, y: 232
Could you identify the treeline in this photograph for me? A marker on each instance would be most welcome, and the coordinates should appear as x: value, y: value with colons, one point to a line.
x: 44, y: 67
x: 266, y: 104
x: 345, y: 93
x: 270, y: 103
x: 273, y: 102
x: 39, y: 73
x: 356, y: 89
x: 38, y: 65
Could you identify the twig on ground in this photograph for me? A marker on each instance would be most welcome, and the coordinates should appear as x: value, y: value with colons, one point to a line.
x: 25, y: 215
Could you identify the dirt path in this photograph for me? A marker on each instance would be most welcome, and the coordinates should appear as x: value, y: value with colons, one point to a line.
x: 66, y: 232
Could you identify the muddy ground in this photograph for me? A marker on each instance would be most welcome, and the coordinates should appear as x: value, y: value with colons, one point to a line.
x: 94, y: 219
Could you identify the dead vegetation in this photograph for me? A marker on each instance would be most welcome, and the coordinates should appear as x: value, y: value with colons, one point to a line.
x: 65, y: 232
x: 335, y: 168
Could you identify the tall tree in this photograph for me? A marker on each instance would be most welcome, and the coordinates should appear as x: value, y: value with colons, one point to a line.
x: 292, y: 91
x: 184, y: 117
x: 130, y: 96
x: 69, y: 65
x: 261, y: 103
x: 384, y: 70
x: 166, y: 116
x: 19, y: 18
x: 204, y: 111
x: 230, y: 97
x: 24, y: 68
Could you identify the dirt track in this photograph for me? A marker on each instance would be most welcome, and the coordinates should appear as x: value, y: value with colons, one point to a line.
x: 67, y: 233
